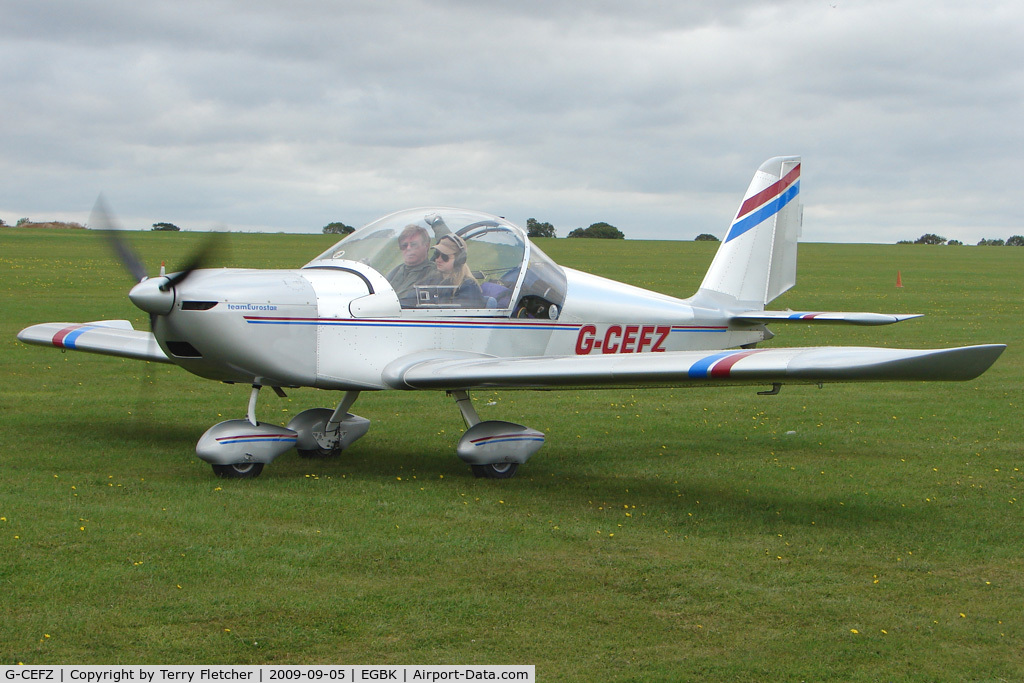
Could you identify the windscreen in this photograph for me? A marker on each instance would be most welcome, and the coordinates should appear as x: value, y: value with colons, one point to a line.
x: 410, y: 249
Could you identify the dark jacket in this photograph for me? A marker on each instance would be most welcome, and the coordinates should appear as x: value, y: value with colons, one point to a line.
x: 404, y: 278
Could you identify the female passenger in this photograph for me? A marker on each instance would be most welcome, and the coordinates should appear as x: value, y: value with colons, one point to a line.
x: 450, y: 258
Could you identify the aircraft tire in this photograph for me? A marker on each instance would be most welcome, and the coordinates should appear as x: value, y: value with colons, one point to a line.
x: 504, y: 470
x: 245, y: 470
x: 318, y: 453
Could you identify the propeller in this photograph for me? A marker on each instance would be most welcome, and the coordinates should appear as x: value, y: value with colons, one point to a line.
x: 153, y: 295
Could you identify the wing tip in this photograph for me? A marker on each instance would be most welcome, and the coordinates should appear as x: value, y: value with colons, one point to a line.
x: 957, y: 364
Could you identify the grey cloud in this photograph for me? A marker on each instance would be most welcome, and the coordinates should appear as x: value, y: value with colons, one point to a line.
x: 260, y: 115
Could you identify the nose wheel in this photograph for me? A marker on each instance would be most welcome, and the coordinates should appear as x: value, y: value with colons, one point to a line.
x: 325, y: 433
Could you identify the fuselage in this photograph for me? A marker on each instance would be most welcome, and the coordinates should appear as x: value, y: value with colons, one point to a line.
x: 337, y: 322
x: 338, y: 328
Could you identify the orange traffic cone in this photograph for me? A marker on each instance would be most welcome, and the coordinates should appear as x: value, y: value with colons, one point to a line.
x: 899, y: 279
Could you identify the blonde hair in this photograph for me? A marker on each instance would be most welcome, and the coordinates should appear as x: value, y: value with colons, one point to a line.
x: 458, y: 274
x: 457, y: 277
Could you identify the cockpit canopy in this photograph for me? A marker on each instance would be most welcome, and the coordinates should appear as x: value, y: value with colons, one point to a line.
x: 514, y: 276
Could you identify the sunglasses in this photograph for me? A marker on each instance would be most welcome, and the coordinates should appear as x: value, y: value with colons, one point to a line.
x: 440, y: 255
x: 409, y: 245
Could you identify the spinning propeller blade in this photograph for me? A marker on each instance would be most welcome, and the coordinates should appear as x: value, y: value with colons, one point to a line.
x: 199, y: 259
x: 102, y: 219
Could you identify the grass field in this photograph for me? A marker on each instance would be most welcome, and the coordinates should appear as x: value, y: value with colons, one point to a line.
x: 854, y: 532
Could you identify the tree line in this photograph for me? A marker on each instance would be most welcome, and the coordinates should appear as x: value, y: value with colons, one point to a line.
x: 932, y: 238
x: 601, y: 230
x: 534, y: 228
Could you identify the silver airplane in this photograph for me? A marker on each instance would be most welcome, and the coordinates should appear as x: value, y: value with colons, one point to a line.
x: 453, y: 300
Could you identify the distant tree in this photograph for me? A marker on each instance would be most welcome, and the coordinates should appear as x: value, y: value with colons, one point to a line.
x: 169, y: 227
x: 930, y: 238
x: 600, y: 231
x: 338, y: 228
x: 535, y: 228
x: 1015, y: 241
x: 905, y: 242
x: 954, y: 243
x: 990, y: 243
x: 22, y: 221
x: 2, y: 224
x: 705, y: 237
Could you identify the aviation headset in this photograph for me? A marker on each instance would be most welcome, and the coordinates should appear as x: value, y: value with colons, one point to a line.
x: 460, y: 248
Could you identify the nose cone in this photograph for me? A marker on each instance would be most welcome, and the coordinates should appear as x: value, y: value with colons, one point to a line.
x: 148, y: 296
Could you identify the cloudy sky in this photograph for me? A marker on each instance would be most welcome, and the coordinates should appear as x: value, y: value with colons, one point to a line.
x: 650, y: 115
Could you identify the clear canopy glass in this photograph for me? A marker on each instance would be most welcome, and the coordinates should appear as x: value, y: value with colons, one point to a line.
x: 514, y: 276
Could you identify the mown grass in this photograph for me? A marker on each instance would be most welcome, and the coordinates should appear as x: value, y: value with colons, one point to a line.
x: 856, y: 532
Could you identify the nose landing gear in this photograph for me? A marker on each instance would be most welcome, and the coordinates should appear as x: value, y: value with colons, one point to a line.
x: 325, y: 433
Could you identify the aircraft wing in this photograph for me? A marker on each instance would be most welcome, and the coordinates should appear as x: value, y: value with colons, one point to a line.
x: 691, y: 368
x: 822, y: 317
x: 108, y: 337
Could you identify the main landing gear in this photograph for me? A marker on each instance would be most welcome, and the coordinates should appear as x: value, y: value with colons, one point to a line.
x: 494, y: 449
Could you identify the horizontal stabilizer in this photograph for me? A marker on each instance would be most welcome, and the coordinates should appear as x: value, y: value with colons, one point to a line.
x: 822, y: 317
x: 694, y: 368
x: 107, y: 337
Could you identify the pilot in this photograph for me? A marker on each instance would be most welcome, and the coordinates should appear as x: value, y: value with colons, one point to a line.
x: 450, y: 257
x: 415, y: 269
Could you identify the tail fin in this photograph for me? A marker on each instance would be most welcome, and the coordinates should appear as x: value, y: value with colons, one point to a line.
x: 757, y: 259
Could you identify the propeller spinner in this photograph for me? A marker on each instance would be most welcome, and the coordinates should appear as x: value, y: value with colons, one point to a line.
x: 154, y: 295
